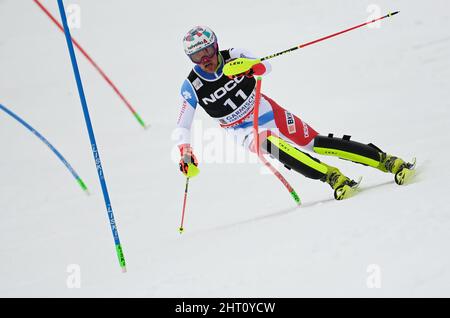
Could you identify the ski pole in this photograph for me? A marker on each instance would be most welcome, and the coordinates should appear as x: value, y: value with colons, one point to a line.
x: 95, y: 65
x: 258, y: 145
x: 242, y: 65
x: 192, y: 172
x: 45, y: 141
x: 95, y: 152
x: 181, y: 229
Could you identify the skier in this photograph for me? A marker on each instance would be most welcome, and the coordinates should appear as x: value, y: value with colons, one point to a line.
x: 230, y: 101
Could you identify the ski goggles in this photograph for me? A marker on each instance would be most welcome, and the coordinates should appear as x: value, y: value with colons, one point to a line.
x: 204, y: 55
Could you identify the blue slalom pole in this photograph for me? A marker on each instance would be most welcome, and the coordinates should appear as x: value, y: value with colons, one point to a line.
x: 95, y: 151
x: 45, y: 141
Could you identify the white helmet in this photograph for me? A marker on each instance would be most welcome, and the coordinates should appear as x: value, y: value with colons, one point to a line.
x: 199, y: 38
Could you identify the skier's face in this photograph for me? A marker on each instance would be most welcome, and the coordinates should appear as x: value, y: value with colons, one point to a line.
x: 210, y: 65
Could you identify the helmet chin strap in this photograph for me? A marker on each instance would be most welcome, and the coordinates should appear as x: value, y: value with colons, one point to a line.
x: 219, y: 60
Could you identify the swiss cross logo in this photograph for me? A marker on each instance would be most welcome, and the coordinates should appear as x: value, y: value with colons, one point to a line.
x: 187, y: 95
x: 290, y: 122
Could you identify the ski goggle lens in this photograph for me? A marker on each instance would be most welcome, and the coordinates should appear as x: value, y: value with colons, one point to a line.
x: 203, y: 55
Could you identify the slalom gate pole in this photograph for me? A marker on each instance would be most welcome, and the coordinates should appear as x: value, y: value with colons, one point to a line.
x: 242, y: 65
x: 95, y: 150
x: 95, y: 65
x: 258, y: 144
x: 45, y: 141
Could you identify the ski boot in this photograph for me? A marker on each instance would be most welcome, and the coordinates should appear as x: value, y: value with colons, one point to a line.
x: 403, y: 171
x: 343, y: 187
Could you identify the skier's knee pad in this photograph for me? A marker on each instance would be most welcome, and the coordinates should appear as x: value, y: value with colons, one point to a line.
x: 347, y: 149
x: 292, y: 158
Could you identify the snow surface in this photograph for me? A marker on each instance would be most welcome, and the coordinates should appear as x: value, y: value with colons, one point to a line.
x: 243, y: 237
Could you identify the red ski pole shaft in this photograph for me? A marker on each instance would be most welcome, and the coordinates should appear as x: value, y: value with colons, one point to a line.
x: 181, y: 229
x: 329, y: 36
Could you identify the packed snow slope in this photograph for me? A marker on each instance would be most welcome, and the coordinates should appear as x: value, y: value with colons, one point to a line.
x: 244, y: 236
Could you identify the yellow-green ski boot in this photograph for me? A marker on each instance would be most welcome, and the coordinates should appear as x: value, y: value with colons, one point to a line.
x: 402, y: 170
x: 343, y: 186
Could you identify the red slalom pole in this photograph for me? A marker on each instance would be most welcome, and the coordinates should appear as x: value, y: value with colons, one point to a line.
x: 258, y: 145
x: 256, y: 115
x: 95, y: 65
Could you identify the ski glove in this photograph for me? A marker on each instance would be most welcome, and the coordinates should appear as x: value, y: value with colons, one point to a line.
x: 187, y: 157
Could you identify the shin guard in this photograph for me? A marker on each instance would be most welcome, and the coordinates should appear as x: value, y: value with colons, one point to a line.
x: 295, y: 159
x: 344, y: 148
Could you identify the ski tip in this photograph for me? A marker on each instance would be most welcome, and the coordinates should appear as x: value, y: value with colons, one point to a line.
x: 393, y: 13
x: 181, y: 230
x: 124, y: 269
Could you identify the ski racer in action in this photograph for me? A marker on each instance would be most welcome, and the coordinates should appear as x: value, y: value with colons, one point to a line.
x: 230, y: 101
